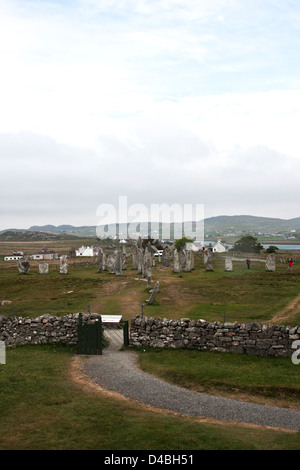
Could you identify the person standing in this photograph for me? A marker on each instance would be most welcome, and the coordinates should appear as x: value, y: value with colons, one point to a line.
x: 248, y: 261
x: 290, y: 264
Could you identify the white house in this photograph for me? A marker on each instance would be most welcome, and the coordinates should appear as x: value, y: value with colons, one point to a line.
x: 44, y: 254
x: 219, y: 247
x: 87, y: 251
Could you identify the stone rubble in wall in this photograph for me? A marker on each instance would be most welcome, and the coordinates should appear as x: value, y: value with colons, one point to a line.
x: 252, y: 338
x: 43, y: 329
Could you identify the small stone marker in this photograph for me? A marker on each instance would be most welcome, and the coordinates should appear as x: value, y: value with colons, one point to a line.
x: 228, y: 264
x: 43, y: 268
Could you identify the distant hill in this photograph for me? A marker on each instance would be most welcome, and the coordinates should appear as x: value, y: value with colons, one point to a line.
x: 82, y: 231
x: 28, y: 235
x: 221, y: 224
x: 250, y: 223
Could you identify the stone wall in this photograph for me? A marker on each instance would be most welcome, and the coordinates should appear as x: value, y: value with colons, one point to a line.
x: 252, y: 338
x: 43, y: 329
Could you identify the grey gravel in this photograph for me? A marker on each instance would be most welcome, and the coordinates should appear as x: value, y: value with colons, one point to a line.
x: 117, y: 371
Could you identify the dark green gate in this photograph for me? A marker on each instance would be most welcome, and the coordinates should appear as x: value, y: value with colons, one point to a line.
x: 90, y: 339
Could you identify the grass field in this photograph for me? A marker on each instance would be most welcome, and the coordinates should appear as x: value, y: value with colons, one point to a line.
x: 242, y: 295
x: 43, y: 407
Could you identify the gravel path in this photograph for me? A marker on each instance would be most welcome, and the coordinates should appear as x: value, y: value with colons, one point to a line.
x: 117, y: 371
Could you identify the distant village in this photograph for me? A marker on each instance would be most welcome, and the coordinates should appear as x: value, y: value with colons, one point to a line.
x: 93, y: 250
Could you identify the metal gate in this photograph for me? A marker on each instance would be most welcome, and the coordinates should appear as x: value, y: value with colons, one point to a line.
x: 107, y: 332
x: 90, y: 337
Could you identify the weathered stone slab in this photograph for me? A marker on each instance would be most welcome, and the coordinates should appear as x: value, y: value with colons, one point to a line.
x: 228, y: 264
x: 24, y: 266
x: 43, y: 268
x: 270, y: 262
x: 153, y: 293
x: 63, y: 264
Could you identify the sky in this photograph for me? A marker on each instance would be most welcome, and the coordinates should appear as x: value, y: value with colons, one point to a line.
x: 162, y: 102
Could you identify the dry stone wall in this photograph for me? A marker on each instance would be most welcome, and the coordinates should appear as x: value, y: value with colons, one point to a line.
x: 252, y: 338
x: 41, y: 330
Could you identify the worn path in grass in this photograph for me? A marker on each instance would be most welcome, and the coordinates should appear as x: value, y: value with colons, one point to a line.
x: 118, y: 372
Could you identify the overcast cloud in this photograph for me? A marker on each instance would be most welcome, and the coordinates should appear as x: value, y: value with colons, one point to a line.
x: 186, y: 101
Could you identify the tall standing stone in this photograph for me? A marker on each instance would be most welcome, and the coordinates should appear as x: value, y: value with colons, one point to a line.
x: 209, y: 263
x: 100, y: 260
x: 140, y: 261
x: 166, y: 257
x: 147, y: 263
x: 182, y: 256
x: 135, y: 257
x: 270, y: 262
x: 189, y: 263
x: 111, y: 263
x: 119, y: 263
x: 63, y: 264
x: 175, y: 261
x: 123, y: 251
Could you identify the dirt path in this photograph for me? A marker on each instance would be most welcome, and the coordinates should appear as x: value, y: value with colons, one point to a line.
x: 292, y: 309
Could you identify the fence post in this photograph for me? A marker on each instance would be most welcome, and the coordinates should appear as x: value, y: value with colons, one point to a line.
x: 99, y: 336
x: 126, y: 333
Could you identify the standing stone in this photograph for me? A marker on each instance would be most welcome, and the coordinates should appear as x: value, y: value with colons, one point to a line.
x: 43, y: 268
x: 147, y: 263
x: 149, y: 281
x: 270, y: 262
x: 100, y: 260
x: 189, y: 261
x: 205, y: 256
x: 119, y: 263
x: 153, y: 293
x: 182, y: 255
x: 175, y: 261
x: 140, y: 261
x: 228, y: 264
x: 209, y: 262
x: 123, y: 251
x: 135, y: 257
x: 111, y: 263
x: 24, y: 266
x: 166, y: 257
x: 63, y: 264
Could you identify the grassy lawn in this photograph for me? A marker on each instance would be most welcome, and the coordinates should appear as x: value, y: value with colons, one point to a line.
x: 41, y: 407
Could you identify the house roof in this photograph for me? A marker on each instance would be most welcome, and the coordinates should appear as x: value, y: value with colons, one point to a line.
x: 45, y: 251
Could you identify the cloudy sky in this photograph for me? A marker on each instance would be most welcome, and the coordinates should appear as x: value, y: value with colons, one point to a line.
x: 161, y: 101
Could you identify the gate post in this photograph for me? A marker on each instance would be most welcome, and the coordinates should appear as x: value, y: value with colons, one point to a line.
x: 79, y: 334
x: 126, y: 333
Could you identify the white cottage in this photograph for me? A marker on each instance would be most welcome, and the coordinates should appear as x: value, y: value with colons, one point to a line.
x: 219, y: 247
